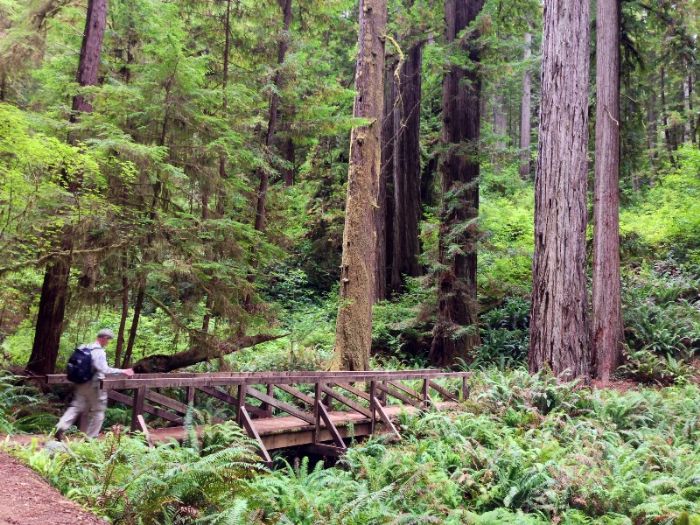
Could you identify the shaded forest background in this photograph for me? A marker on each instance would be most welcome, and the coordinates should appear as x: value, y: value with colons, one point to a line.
x: 197, y: 203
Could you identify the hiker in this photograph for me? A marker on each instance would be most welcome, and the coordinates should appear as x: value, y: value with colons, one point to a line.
x: 87, y: 366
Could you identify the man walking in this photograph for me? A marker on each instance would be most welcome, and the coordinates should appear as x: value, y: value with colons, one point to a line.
x: 88, y: 398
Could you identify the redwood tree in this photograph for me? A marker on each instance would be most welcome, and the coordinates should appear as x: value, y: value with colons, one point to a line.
x: 607, y: 315
x: 406, y: 171
x: 54, y: 291
x: 354, y: 322
x: 559, y: 337
x: 456, y: 330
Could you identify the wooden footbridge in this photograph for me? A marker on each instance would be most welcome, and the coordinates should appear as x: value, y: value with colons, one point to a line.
x: 317, y: 410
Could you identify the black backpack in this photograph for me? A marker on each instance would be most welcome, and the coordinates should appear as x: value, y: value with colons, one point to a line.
x: 79, y: 369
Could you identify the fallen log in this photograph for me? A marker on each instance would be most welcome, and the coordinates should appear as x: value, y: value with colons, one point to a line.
x: 200, y: 351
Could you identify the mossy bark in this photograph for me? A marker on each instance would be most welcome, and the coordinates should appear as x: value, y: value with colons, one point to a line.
x: 358, y: 265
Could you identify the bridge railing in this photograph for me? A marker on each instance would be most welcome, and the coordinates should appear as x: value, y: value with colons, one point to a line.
x: 364, y: 394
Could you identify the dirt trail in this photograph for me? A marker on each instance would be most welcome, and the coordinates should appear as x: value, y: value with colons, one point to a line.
x: 26, y: 499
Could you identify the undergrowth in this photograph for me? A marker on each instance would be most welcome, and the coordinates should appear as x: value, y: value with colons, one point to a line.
x: 522, y: 450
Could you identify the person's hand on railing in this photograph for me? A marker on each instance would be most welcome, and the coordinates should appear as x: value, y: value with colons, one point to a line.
x: 128, y: 372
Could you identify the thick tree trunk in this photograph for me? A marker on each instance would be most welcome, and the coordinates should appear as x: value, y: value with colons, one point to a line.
x: 264, y: 176
x: 406, y: 171
x: 54, y: 293
x: 525, y: 112
x: 456, y: 331
x: 49, y: 323
x: 607, y: 315
x: 384, y: 213
x: 200, y: 352
x: 90, y: 52
x: 559, y: 333
x: 354, y: 322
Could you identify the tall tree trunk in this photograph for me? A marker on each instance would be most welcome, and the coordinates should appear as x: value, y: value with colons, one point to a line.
x: 220, y: 202
x: 607, y: 315
x: 384, y: 212
x: 687, y: 109
x: 559, y: 333
x: 526, y: 111
x: 260, y: 211
x: 124, y: 314
x: 668, y: 136
x: 49, y: 323
x: 406, y: 171
x: 54, y: 292
x: 456, y: 331
x: 500, y: 119
x: 90, y: 53
x: 354, y: 322
x: 133, y: 329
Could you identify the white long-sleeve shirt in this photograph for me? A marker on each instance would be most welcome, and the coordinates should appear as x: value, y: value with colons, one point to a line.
x: 99, y: 363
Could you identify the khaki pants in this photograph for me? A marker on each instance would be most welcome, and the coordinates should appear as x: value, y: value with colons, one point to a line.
x: 88, y: 399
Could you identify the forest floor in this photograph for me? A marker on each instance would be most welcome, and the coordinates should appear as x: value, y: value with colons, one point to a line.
x: 27, y: 499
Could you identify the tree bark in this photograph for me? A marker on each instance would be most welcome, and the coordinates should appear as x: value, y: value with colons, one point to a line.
x: 49, y: 323
x: 133, y: 329
x: 607, y: 314
x: 525, y: 112
x: 264, y: 176
x: 384, y: 213
x: 406, y: 171
x: 54, y: 292
x: 559, y: 334
x: 456, y: 331
x: 200, y: 352
x: 124, y: 314
x: 90, y: 50
x: 354, y: 322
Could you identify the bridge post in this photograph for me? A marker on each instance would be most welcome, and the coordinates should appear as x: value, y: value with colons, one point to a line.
x: 240, y: 403
x: 465, y: 388
x: 425, y: 394
x: 372, y: 408
x: 318, y: 390
x: 137, y: 407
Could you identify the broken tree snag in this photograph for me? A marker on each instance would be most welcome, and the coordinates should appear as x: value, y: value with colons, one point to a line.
x: 354, y: 323
x: 201, y: 350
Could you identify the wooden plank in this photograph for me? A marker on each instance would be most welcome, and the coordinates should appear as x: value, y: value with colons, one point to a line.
x: 346, y: 401
x: 443, y: 391
x: 384, y: 417
x: 393, y: 392
x: 278, y: 378
x: 296, y: 393
x: 226, y: 398
x: 252, y: 432
x: 166, y: 401
x: 331, y: 427
x: 406, y: 390
x: 144, y: 428
x: 281, y: 405
x: 240, y: 404
x: 190, y: 395
x: 318, y: 388
x: 148, y: 409
x: 137, y: 407
x: 352, y: 390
